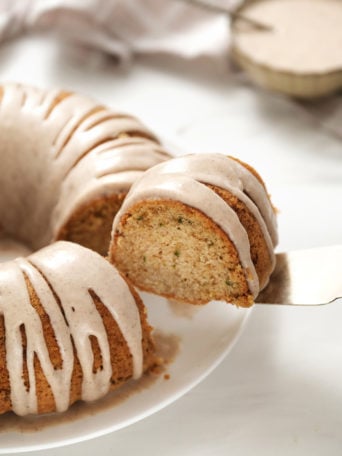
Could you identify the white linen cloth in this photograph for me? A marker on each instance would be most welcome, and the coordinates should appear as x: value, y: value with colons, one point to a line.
x: 124, y: 28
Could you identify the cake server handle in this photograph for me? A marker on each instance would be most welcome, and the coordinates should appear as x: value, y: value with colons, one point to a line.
x: 310, y: 277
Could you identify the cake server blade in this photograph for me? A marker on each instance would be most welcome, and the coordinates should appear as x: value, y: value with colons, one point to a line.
x: 305, y: 277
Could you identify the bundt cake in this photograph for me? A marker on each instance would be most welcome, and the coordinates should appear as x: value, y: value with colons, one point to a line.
x: 197, y: 228
x: 67, y: 163
x: 70, y: 328
x: 193, y: 229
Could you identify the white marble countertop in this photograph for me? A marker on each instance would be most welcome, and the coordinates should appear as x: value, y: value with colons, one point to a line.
x: 280, y: 389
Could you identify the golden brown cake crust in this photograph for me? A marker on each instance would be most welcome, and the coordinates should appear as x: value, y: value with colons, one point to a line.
x: 259, y: 251
x: 91, y: 224
x: 5, y: 401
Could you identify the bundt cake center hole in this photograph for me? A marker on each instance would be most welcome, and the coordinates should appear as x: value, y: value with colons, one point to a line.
x: 11, y: 248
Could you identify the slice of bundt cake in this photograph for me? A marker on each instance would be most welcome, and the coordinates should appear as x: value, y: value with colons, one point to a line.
x: 70, y: 328
x: 195, y: 229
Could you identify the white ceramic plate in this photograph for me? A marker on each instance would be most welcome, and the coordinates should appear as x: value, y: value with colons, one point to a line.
x: 201, y: 336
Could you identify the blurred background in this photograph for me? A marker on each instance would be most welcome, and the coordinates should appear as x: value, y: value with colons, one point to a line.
x: 259, y: 80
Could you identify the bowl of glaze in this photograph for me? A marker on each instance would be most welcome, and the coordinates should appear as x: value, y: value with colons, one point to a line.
x: 298, y: 53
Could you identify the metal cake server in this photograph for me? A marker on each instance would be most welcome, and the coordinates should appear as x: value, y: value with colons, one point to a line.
x: 305, y: 277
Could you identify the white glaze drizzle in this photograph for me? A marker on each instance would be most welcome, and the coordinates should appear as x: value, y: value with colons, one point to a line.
x: 58, y: 265
x: 183, y: 179
x: 56, y: 158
